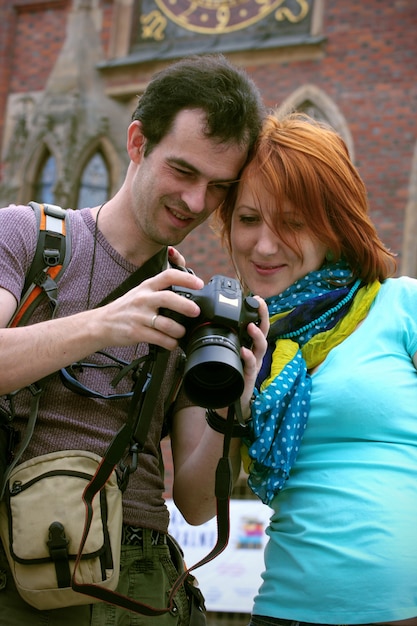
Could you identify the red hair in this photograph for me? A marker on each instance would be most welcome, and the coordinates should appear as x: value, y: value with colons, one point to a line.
x: 305, y: 162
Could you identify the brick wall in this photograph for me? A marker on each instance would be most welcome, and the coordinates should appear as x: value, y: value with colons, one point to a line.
x: 368, y: 70
x: 7, y: 26
x: 39, y: 35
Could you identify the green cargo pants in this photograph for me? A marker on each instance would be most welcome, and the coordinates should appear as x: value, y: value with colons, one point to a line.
x: 147, y: 574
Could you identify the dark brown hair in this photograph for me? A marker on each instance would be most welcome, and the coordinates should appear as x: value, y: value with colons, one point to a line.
x: 228, y: 96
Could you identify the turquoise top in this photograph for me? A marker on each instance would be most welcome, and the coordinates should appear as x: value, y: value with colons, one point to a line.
x: 342, y: 543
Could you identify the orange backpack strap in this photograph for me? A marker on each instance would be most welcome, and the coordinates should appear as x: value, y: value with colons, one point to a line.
x: 52, y: 255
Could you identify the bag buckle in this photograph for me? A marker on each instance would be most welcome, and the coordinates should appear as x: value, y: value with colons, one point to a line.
x: 128, y: 469
x: 58, y: 550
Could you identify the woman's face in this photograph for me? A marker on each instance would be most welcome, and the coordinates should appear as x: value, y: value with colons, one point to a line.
x: 266, y: 264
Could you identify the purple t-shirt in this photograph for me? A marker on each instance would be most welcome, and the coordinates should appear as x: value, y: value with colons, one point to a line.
x: 67, y: 420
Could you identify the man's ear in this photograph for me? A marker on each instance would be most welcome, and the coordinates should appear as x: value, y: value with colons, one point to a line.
x: 135, y: 141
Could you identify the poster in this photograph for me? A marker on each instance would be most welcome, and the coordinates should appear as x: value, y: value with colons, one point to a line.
x: 230, y: 581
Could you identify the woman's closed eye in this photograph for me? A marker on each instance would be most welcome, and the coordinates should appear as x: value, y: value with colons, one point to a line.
x: 293, y: 224
x: 249, y: 219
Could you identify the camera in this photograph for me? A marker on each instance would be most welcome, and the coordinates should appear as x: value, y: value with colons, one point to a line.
x: 213, y: 376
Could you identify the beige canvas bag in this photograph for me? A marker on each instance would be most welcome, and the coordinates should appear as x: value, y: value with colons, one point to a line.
x: 42, y: 520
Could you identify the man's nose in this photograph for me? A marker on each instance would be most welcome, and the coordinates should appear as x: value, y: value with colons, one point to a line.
x: 195, y: 197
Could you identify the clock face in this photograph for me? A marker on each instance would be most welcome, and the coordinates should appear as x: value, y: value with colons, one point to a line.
x: 216, y: 16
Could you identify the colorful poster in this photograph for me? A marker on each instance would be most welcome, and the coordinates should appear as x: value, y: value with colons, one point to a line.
x: 229, y: 582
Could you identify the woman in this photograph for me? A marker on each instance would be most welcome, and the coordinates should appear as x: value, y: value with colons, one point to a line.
x: 333, y: 446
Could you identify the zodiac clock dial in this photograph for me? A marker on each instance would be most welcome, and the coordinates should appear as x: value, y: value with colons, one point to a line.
x: 216, y: 16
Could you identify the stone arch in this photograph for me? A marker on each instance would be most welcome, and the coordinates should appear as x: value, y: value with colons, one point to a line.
x: 408, y: 264
x: 66, y: 135
x: 32, y: 163
x: 71, y: 116
x: 310, y: 96
x: 112, y: 159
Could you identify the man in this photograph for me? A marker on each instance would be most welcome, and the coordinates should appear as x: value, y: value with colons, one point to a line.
x: 191, y: 134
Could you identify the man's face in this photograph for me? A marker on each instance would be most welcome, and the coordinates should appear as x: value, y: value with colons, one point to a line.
x: 183, y: 180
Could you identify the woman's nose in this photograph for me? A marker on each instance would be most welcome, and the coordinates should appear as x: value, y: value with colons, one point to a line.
x: 267, y: 243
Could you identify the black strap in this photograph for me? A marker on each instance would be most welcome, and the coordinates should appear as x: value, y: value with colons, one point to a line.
x: 52, y: 255
x: 136, y: 428
x: 153, y: 266
x: 223, y: 487
x: 36, y: 391
x: 53, y: 247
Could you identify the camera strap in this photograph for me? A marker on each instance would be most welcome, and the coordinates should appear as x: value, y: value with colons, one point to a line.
x: 136, y: 427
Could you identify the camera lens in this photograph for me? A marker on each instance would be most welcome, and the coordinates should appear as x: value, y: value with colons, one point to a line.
x: 213, y: 376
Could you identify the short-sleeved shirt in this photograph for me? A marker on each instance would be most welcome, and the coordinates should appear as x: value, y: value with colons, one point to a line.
x: 342, y: 543
x: 67, y: 420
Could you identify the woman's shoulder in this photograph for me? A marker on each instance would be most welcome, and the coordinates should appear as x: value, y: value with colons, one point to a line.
x: 399, y: 294
x: 401, y: 285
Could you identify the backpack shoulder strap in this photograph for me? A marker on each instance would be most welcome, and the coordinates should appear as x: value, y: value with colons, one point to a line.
x: 53, y: 252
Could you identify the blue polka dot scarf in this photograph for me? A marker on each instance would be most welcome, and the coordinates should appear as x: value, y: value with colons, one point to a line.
x: 307, y: 320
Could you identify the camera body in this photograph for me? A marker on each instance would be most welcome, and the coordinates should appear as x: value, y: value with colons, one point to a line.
x: 213, y: 376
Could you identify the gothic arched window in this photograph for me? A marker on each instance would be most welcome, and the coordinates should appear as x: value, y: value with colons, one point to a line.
x: 94, y: 185
x: 45, y: 183
x: 312, y: 110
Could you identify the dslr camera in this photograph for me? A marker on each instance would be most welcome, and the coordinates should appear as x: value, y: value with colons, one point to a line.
x: 213, y: 376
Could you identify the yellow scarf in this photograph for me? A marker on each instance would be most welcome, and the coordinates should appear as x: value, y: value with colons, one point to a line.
x: 289, y: 369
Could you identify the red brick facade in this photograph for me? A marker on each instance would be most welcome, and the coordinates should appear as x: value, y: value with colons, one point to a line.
x: 366, y: 67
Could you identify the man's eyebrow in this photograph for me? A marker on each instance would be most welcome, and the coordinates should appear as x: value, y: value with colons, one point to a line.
x: 182, y: 163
